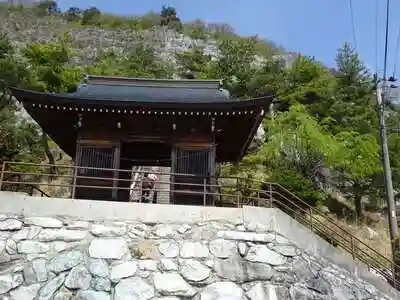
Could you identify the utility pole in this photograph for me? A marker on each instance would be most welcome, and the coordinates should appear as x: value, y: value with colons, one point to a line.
x: 381, y: 96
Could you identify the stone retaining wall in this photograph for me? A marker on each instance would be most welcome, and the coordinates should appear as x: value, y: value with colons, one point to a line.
x: 67, y: 258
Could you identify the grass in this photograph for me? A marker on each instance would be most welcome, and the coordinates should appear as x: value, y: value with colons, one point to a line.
x: 375, y: 235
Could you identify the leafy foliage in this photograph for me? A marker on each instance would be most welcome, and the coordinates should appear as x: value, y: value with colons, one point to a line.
x: 321, y: 133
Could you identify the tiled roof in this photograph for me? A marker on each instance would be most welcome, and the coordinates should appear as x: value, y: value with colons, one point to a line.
x: 150, y: 94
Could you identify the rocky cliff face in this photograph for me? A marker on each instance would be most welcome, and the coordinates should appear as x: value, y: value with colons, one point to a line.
x: 65, y: 258
x: 89, y: 42
x: 25, y: 26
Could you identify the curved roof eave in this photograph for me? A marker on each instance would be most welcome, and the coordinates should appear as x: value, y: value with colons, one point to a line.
x: 23, y: 95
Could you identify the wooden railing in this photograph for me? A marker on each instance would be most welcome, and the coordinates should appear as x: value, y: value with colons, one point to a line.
x: 222, y: 191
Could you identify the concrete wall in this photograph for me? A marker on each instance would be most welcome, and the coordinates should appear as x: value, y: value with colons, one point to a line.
x: 248, y: 220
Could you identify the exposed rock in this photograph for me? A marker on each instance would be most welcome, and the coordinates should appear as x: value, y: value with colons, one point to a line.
x: 261, y: 254
x: 256, y: 265
x: 35, y: 271
x: 203, y: 233
x: 65, y: 261
x: 372, y: 234
x: 193, y: 270
x: 4, y: 235
x: 241, y: 271
x: 222, y: 248
x: 39, y: 267
x: 67, y: 235
x: 242, y: 248
x: 26, y: 233
x: 256, y: 227
x: 172, y: 284
x: 63, y: 295
x: 164, y: 230
x: 25, y: 292
x: 78, y: 278
x: 28, y: 247
x: 123, y: 270
x: 78, y: 225
x: 251, y: 236
x: 183, y: 228
x: 133, y: 289
x: 194, y: 250
x: 29, y: 274
x: 10, y: 224
x: 148, y: 265
x: 300, y: 292
x: 9, y: 282
x: 92, y: 295
x: 169, y: 249
x: 222, y: 290
x: 285, y: 250
x: 48, y: 290
x: 45, y: 222
x: 10, y: 247
x: 108, y: 248
x: 101, y: 284
x: 99, y: 267
x: 2, y: 246
x: 168, y: 265
x: 108, y: 231
x: 57, y: 246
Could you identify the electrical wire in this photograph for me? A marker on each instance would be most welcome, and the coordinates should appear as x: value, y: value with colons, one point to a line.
x: 376, y: 38
x: 396, y: 53
x: 386, y: 41
x: 353, y: 24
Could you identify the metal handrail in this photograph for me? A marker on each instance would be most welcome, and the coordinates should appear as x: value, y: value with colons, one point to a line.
x: 275, y: 196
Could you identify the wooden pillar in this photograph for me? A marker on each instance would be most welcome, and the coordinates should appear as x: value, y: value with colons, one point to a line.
x: 76, y: 169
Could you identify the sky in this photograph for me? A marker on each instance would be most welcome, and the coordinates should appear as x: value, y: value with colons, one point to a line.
x: 312, y: 27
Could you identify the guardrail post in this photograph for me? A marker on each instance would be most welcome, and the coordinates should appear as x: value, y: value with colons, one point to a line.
x: 3, y: 169
x: 205, y: 192
x: 270, y: 195
x: 353, y: 248
x: 238, y: 192
x: 311, y: 218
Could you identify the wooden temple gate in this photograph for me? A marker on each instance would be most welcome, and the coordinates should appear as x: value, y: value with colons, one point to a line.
x: 114, y: 123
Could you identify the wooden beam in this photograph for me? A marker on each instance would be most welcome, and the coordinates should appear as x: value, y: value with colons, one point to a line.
x: 257, y: 122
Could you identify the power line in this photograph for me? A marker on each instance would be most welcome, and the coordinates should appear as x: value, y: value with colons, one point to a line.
x: 386, y: 40
x: 396, y: 53
x: 376, y: 36
x: 353, y: 23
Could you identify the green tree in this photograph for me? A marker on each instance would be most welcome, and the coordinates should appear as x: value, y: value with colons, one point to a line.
x: 50, y: 72
x: 47, y: 7
x: 141, y: 62
x: 353, y: 106
x: 307, y: 83
x: 169, y: 18
x: 74, y: 14
x: 358, y: 165
x: 91, y: 16
x: 299, y: 147
x: 193, y: 64
x: 50, y: 68
x: 19, y: 138
x: 235, y: 65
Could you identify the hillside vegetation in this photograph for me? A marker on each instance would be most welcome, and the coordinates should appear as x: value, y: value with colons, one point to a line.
x: 321, y: 138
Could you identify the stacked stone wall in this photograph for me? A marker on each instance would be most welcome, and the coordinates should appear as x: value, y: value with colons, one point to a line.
x: 66, y: 258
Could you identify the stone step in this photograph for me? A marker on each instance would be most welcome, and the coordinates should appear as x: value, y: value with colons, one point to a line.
x: 163, y: 187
